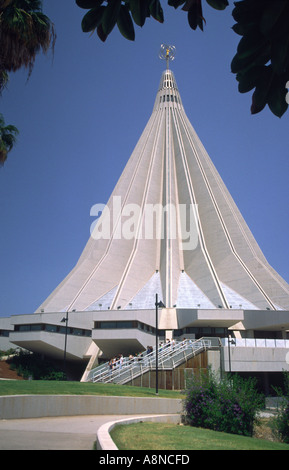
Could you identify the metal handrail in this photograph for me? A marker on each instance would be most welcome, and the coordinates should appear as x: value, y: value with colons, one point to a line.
x: 170, y: 355
x: 187, y: 349
x: 97, y: 370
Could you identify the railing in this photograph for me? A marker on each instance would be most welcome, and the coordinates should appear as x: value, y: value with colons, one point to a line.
x: 170, y: 356
x: 256, y: 343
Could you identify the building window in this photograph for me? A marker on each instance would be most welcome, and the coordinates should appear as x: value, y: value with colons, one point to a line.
x: 105, y: 325
x: 23, y: 328
x: 128, y: 324
x: 52, y: 329
x: 4, y: 333
x: 36, y: 327
x: 77, y: 332
x: 200, y: 332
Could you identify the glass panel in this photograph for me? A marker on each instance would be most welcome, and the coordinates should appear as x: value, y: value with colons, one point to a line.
x: 24, y: 328
x: 4, y: 333
x: 36, y: 327
x: 76, y: 332
x: 51, y: 328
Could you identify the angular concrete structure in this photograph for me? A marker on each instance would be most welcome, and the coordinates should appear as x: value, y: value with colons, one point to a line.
x: 206, y: 256
x: 169, y: 228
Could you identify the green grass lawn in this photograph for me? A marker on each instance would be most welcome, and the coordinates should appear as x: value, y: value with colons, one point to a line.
x: 143, y: 436
x: 165, y: 436
x: 43, y: 387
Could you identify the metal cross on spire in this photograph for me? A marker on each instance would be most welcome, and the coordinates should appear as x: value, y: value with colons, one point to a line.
x: 168, y: 53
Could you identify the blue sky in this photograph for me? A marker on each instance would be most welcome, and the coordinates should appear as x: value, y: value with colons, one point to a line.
x: 80, y: 116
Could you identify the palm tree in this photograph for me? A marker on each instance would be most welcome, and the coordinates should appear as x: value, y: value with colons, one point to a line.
x: 4, y: 78
x: 24, y: 31
x: 7, y: 139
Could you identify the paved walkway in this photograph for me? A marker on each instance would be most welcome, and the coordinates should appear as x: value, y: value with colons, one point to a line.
x: 61, y: 433
x: 64, y: 433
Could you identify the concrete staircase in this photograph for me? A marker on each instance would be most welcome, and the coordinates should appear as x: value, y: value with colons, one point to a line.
x: 168, y: 357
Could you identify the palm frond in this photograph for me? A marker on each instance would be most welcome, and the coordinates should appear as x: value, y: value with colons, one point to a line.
x: 4, y: 78
x: 24, y: 32
x: 8, y: 136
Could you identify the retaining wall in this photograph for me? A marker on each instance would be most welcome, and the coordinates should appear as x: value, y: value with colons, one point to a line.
x: 37, y: 406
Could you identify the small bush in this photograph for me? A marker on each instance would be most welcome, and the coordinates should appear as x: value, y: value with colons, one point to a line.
x: 33, y: 365
x: 280, y: 425
x: 8, y: 352
x: 229, y: 405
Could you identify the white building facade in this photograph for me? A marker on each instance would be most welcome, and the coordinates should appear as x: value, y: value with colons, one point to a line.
x: 169, y: 228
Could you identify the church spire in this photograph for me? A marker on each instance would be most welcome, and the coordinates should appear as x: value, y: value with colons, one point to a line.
x: 186, y: 239
x: 167, y: 53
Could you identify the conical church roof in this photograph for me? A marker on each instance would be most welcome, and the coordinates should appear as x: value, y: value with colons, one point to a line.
x: 170, y: 227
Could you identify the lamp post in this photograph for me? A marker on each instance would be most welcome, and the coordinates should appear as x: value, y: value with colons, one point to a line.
x: 230, y: 341
x: 157, y: 304
x: 65, y: 320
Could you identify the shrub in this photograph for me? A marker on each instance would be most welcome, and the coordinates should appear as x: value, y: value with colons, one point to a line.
x: 201, y: 400
x: 229, y: 405
x: 33, y: 365
x: 280, y: 425
x: 9, y: 352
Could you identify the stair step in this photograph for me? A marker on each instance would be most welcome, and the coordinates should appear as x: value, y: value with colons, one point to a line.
x: 170, y: 356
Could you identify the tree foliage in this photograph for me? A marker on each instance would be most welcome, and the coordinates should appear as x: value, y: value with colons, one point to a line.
x: 7, y: 139
x: 24, y: 32
x: 262, y: 59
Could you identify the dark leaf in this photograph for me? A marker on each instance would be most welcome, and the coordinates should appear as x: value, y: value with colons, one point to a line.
x: 175, y: 3
x: 125, y: 23
x: 247, y: 11
x: 260, y: 57
x: 195, y: 20
x: 92, y: 19
x: 102, y: 36
x: 139, y: 10
x: 277, y: 96
x: 250, y: 43
x: 261, y: 93
x: 280, y: 54
x: 88, y: 4
x: 110, y: 16
x: 191, y: 4
x: 195, y: 13
x: 243, y: 29
x: 256, y: 107
x: 156, y: 10
x: 218, y: 4
x: 270, y: 15
x: 248, y: 79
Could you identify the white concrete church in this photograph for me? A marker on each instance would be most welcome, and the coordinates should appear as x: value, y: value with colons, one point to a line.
x: 170, y: 228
